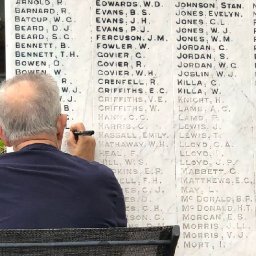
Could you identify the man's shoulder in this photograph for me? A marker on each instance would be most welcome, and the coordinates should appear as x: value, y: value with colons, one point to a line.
x: 92, y: 164
x: 54, y: 161
x: 51, y: 156
x: 98, y: 169
x: 93, y: 167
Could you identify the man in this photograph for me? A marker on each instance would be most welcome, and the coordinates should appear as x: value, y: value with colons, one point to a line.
x: 40, y: 186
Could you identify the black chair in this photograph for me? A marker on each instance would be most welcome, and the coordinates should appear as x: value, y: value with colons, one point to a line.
x: 103, y: 241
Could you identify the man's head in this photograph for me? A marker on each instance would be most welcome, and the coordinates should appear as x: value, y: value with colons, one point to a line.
x: 29, y: 107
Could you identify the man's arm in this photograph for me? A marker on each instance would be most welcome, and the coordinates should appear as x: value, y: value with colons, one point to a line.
x: 83, y: 146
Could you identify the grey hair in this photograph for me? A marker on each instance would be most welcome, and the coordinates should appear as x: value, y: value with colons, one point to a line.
x: 34, y: 115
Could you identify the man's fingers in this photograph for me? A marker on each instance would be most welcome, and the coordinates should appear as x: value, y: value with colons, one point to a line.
x: 77, y: 127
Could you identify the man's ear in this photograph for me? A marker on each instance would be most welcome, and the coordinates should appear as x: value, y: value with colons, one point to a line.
x: 4, y: 138
x: 61, y: 125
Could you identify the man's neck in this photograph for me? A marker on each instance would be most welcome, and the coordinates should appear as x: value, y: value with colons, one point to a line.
x: 39, y: 139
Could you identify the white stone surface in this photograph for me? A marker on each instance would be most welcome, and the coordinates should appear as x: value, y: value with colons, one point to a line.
x: 169, y: 88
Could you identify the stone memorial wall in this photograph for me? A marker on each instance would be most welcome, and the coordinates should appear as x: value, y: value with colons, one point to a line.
x: 169, y: 88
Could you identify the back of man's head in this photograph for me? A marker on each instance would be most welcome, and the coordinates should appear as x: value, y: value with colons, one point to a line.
x: 29, y: 105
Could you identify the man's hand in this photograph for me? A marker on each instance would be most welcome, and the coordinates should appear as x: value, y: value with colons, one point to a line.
x: 84, y: 146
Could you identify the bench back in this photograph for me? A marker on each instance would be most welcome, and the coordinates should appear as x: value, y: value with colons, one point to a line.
x: 100, y: 241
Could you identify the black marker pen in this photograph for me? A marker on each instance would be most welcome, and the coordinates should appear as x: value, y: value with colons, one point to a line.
x: 83, y: 133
